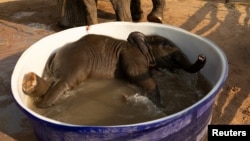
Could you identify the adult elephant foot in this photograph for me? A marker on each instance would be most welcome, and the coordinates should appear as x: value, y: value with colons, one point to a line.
x: 156, y: 15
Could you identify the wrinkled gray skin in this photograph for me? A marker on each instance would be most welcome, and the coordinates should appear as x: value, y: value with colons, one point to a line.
x: 99, y: 57
x: 121, y: 8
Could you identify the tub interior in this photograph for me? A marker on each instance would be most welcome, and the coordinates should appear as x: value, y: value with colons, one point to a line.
x: 192, y: 45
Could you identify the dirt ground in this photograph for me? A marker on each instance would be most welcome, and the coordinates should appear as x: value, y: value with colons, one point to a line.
x: 23, y: 22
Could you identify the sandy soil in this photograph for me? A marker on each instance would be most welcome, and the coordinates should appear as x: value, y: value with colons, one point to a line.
x: 23, y: 22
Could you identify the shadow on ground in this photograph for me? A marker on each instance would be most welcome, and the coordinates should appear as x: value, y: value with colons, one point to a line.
x: 231, y: 35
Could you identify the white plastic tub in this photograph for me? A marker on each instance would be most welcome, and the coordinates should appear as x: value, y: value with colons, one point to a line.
x: 189, y: 124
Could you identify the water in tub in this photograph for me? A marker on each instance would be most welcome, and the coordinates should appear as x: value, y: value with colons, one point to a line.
x: 115, y: 102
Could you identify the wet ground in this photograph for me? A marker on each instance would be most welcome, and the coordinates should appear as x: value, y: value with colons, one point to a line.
x: 23, y: 22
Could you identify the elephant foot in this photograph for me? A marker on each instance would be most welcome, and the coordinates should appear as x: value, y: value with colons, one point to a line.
x: 153, y: 17
x: 34, y: 86
x: 156, y: 15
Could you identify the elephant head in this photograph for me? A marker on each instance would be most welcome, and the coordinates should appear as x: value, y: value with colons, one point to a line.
x: 163, y: 53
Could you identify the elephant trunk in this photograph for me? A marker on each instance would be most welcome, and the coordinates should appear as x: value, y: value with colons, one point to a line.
x: 197, y: 66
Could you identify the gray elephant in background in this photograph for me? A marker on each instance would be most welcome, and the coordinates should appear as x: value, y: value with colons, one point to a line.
x: 103, y: 57
x: 84, y: 12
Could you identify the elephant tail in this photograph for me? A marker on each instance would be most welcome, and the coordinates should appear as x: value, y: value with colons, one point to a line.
x: 197, y: 66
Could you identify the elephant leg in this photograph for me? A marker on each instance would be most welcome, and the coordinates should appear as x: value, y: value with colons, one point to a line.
x: 152, y: 89
x: 54, y: 93
x: 141, y: 76
x: 122, y: 9
x: 136, y: 11
x: 156, y: 15
x: 155, y: 97
x: 91, y: 11
x: 34, y: 86
x: 72, y: 13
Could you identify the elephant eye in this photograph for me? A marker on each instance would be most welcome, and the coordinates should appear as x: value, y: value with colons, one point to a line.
x: 166, y: 45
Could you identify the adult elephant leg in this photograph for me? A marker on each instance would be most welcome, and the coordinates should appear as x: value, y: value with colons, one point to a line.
x: 122, y: 9
x: 72, y: 13
x: 136, y: 11
x: 90, y: 11
x: 156, y: 15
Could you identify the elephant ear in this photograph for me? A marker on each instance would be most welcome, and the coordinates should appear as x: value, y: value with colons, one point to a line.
x: 138, y: 38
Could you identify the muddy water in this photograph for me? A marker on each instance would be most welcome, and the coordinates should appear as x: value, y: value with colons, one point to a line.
x: 114, y: 102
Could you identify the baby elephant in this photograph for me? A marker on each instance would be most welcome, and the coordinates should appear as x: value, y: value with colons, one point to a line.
x: 103, y: 57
